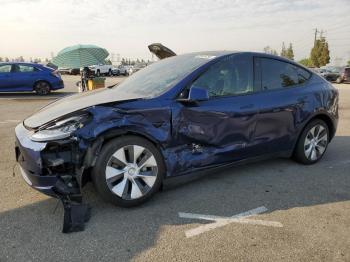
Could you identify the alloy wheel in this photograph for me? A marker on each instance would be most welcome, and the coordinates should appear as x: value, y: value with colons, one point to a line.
x: 316, y: 142
x: 42, y: 88
x: 131, y: 172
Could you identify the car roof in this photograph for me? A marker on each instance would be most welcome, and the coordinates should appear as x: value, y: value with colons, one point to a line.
x: 219, y: 54
x: 20, y: 63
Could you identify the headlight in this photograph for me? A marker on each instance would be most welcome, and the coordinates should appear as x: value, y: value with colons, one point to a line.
x: 60, y: 129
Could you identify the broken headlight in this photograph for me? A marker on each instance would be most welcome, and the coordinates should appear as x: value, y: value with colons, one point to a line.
x: 61, y: 128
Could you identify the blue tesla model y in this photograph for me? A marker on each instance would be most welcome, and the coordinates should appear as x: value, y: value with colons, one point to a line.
x: 177, y: 116
x: 28, y: 77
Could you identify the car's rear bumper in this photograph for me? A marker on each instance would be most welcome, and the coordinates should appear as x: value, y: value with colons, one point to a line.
x: 57, y: 85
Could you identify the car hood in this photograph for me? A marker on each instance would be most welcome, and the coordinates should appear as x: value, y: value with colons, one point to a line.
x: 77, y: 102
x: 161, y: 51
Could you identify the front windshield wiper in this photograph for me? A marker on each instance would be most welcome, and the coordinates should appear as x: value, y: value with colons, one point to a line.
x: 113, y: 85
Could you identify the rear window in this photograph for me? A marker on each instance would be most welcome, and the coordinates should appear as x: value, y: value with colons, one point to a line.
x: 276, y: 74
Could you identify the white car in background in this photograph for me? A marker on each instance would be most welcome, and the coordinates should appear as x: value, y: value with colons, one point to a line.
x: 101, y: 69
x: 125, y: 70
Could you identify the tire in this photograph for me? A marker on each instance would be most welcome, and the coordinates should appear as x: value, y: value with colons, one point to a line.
x: 312, y: 143
x: 120, y: 180
x: 42, y: 88
x: 338, y: 81
x: 109, y: 72
x: 98, y: 73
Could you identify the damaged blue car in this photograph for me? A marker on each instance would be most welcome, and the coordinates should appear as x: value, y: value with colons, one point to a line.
x: 177, y: 116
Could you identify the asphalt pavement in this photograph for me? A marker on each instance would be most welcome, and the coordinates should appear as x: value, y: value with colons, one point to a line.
x: 286, y: 211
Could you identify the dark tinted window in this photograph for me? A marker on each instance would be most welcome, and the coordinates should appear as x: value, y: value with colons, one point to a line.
x: 277, y: 74
x: 231, y: 76
x: 303, y: 75
x: 25, y: 68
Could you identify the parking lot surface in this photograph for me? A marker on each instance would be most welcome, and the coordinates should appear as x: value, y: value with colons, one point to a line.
x: 286, y: 211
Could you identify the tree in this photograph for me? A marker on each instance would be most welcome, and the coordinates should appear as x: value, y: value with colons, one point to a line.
x: 306, y: 62
x: 21, y: 59
x: 289, y: 52
x: 269, y: 50
x: 349, y: 63
x: 283, y: 51
x: 0, y: 59
x: 7, y: 59
x: 320, y: 53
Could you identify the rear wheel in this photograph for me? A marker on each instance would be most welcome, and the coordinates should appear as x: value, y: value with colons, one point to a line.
x: 312, y: 143
x: 42, y: 88
x: 98, y: 73
x: 110, y: 72
x: 128, y: 171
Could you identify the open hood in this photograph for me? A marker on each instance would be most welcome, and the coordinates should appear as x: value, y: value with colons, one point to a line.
x: 76, y: 102
x: 160, y: 51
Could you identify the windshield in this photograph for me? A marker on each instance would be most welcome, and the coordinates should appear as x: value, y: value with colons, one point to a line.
x: 158, y: 77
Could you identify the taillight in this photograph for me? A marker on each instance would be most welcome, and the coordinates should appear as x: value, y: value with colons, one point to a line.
x: 56, y: 73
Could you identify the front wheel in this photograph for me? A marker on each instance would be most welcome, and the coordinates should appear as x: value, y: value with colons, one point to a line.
x: 128, y: 171
x: 312, y: 143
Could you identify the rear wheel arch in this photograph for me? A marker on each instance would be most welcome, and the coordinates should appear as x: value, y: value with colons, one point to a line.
x: 41, y: 80
x: 327, y: 119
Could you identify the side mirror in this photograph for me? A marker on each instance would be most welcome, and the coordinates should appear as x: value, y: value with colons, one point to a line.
x: 196, y: 94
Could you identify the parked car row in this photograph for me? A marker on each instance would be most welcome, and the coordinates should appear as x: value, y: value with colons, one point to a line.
x: 334, y: 74
x: 101, y: 69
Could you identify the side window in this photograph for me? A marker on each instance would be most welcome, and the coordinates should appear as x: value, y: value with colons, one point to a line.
x: 231, y: 76
x: 303, y: 75
x: 26, y: 69
x: 277, y: 74
x: 5, y: 69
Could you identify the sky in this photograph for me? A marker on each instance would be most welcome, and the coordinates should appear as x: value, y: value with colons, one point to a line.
x: 37, y: 28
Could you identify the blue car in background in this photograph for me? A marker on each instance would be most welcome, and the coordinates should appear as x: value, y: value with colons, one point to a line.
x: 27, y: 77
x: 177, y: 116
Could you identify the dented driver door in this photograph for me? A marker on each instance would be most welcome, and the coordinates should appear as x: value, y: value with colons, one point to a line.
x: 221, y: 129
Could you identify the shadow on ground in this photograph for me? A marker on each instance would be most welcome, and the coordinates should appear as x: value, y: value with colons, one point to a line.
x: 122, y: 234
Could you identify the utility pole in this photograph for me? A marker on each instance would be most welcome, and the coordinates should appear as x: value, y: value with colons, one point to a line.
x: 321, y: 33
x: 316, y: 31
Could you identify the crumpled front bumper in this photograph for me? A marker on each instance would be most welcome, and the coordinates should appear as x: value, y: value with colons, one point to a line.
x: 28, y: 155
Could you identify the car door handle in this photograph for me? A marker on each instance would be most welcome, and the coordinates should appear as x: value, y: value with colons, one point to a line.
x: 249, y: 106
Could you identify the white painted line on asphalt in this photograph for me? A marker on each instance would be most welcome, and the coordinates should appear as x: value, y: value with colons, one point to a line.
x: 13, y: 120
x: 9, y: 121
x: 220, y: 221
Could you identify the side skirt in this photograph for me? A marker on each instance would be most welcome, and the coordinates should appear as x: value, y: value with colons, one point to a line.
x: 196, y: 173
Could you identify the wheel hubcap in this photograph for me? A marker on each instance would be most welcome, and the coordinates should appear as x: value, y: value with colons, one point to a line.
x: 131, y: 172
x: 315, y: 142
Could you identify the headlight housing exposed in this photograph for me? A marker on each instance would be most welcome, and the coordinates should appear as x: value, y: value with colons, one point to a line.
x: 60, y: 128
